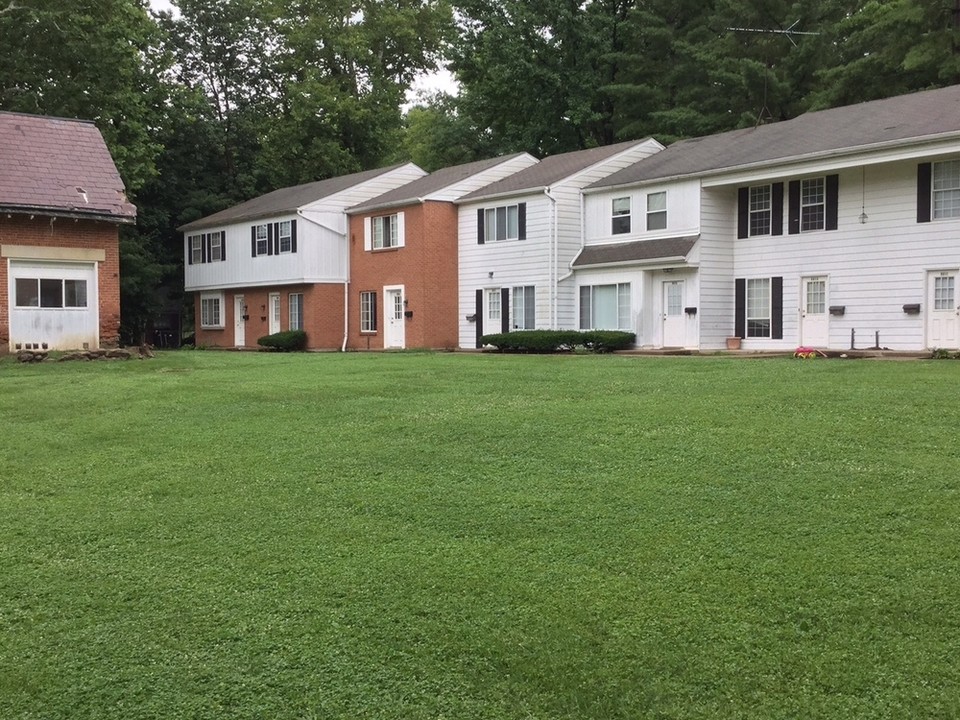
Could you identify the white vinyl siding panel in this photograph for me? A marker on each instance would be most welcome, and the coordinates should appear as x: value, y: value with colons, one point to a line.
x: 715, y: 310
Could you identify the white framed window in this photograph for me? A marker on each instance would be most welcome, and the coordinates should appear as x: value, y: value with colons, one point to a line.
x: 523, y: 311
x: 620, y: 209
x: 943, y: 292
x: 216, y: 247
x: 502, y: 223
x: 196, y: 249
x: 812, y: 204
x: 759, y: 320
x: 605, y: 307
x: 286, y: 236
x: 368, y: 311
x: 493, y: 305
x: 295, y: 303
x: 211, y: 310
x: 761, y: 209
x: 385, y: 231
x: 657, y: 211
x: 946, y: 189
x: 262, y: 239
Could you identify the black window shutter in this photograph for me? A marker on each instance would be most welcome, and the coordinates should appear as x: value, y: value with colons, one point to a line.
x: 743, y: 212
x: 189, y: 251
x: 479, y: 315
x: 924, y: 188
x: 480, y: 230
x: 776, y: 209
x: 223, y: 246
x: 253, y: 240
x: 504, y: 309
x: 205, y: 248
x: 276, y: 238
x: 293, y: 235
x: 833, y: 197
x: 776, y: 308
x: 522, y: 221
x: 794, y: 207
x: 269, y: 238
x: 740, y: 308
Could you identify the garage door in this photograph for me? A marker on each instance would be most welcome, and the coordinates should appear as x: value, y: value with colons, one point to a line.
x: 53, y: 305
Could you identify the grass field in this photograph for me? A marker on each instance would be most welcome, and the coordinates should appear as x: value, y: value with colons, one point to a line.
x: 223, y: 535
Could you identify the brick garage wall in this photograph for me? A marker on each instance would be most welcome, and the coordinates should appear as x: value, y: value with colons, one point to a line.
x: 322, y: 315
x: 67, y: 233
x: 427, y: 268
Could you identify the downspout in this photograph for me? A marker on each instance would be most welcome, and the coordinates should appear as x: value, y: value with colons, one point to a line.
x: 554, y: 260
x: 346, y: 319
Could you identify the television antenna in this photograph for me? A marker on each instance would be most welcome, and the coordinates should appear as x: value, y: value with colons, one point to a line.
x: 789, y: 32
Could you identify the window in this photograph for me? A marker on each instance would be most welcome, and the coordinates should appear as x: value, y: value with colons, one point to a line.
x: 943, y: 292
x: 760, y: 210
x: 51, y: 293
x: 206, y: 248
x: 262, y: 239
x: 296, y: 311
x: 605, y: 307
x: 502, y: 223
x: 196, y: 249
x: 385, y: 231
x: 946, y: 189
x: 621, y: 215
x: 493, y: 305
x: 286, y: 236
x: 812, y: 204
x: 368, y: 312
x: 758, y: 308
x: 211, y: 311
x: 524, y: 315
x: 657, y: 211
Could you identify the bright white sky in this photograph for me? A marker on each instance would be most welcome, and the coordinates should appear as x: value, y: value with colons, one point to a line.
x: 431, y: 82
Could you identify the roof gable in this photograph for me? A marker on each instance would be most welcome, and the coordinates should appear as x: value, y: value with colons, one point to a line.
x: 286, y: 200
x: 59, y: 166
x: 433, y: 184
x: 550, y: 171
x: 900, y: 119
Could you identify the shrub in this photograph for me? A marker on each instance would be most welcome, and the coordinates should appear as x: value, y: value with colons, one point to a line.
x: 552, y: 341
x: 286, y: 341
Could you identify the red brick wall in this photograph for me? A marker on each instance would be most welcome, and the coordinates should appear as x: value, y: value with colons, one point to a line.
x: 322, y: 315
x: 68, y: 233
x: 427, y: 268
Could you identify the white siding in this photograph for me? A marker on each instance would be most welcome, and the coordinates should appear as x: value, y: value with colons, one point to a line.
x: 718, y: 213
x: 873, y: 268
x: 683, y: 212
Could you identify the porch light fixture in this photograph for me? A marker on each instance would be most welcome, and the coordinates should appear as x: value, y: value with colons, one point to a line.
x: 863, y: 195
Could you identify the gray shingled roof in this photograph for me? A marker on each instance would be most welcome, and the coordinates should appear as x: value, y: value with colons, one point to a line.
x: 549, y: 171
x: 59, y: 166
x: 414, y: 191
x: 285, y: 200
x: 897, y: 119
x: 613, y: 253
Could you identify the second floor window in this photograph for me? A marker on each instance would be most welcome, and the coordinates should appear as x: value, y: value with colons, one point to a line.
x: 946, y: 189
x: 760, y: 210
x: 621, y: 216
x: 385, y: 231
x: 812, y: 204
x: 263, y: 239
x: 206, y: 248
x: 657, y: 211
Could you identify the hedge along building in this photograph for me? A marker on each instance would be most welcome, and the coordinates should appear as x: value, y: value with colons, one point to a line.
x: 61, y: 204
x: 279, y: 261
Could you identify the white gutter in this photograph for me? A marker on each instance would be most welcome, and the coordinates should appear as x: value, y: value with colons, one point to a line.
x: 554, y: 260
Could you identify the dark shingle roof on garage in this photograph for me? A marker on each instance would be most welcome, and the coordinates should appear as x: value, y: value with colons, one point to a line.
x: 641, y: 250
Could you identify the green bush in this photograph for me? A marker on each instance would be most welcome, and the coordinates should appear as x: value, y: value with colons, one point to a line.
x: 286, y: 341
x: 552, y: 341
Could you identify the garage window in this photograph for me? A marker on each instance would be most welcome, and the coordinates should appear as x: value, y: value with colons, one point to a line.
x: 51, y: 293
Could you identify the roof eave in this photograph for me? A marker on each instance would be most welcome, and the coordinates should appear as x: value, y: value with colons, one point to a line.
x: 202, y: 223
x: 534, y: 190
x: 104, y: 215
x: 670, y: 260
x: 363, y: 209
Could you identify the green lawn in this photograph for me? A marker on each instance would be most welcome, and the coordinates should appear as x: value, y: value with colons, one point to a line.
x: 224, y: 535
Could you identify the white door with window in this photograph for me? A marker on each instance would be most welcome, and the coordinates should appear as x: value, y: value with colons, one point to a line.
x: 239, y: 324
x: 814, y: 313
x: 942, y: 309
x: 674, y: 319
x: 394, y: 335
x: 273, y: 324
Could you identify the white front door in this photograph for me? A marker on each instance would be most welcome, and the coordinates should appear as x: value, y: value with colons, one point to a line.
x: 942, y: 309
x: 674, y: 321
x: 273, y: 325
x: 239, y: 324
x: 394, y: 333
x: 814, y: 315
